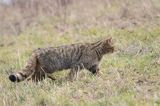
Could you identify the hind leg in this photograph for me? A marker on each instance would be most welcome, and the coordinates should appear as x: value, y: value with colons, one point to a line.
x: 73, y: 73
x: 37, y: 77
x: 40, y: 74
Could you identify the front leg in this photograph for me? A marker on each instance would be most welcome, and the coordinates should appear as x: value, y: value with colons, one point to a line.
x: 73, y: 73
x: 94, y: 69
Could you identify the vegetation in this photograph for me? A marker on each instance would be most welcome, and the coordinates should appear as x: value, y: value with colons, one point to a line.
x: 129, y: 76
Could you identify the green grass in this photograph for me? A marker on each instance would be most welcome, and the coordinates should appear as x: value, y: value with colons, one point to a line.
x: 130, y: 76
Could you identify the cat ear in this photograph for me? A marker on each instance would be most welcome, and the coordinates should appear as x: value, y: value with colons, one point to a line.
x: 109, y: 40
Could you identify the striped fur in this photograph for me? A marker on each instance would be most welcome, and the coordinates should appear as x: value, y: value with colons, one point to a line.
x: 45, y: 61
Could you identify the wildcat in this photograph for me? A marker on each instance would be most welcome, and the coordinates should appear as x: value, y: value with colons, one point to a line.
x: 44, y: 61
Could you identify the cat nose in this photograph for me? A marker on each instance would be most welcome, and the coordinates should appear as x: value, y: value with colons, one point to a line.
x: 115, y: 49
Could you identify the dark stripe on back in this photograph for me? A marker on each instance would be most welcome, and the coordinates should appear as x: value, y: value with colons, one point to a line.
x: 81, y: 49
x: 98, y: 54
x: 95, y: 45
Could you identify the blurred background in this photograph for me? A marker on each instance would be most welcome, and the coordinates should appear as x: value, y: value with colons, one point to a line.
x: 16, y: 16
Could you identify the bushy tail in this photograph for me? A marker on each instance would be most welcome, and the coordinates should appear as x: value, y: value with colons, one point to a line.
x: 26, y: 72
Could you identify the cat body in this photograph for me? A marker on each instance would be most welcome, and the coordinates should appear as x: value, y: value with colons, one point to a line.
x: 45, y: 61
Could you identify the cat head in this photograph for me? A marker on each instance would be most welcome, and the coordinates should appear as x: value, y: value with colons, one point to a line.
x: 108, y: 46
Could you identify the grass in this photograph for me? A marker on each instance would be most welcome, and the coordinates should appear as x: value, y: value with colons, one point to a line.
x: 130, y: 75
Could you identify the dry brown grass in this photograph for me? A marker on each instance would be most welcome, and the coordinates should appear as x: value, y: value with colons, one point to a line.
x: 79, y: 14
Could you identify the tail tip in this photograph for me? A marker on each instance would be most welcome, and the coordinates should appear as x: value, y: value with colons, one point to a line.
x: 13, y: 78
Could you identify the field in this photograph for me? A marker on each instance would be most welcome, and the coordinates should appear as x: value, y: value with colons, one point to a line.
x: 129, y: 77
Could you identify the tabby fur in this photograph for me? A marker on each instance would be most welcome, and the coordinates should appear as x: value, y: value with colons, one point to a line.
x: 44, y: 61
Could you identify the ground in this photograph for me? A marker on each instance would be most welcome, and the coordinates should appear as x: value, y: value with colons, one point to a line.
x: 130, y: 76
